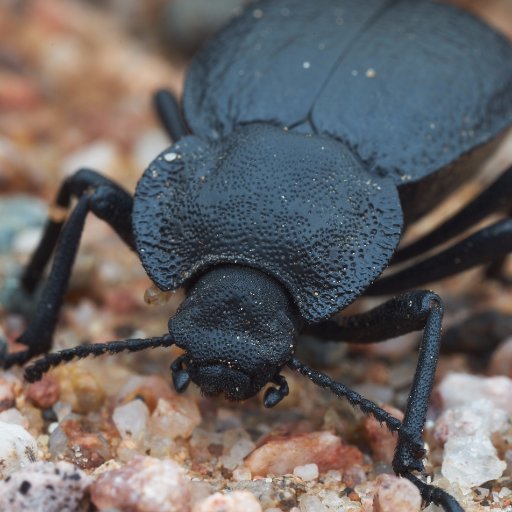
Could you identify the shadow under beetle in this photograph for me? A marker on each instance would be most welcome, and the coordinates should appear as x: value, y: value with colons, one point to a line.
x: 313, y: 134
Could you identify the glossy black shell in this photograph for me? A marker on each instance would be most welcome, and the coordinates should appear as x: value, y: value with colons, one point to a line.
x: 400, y: 91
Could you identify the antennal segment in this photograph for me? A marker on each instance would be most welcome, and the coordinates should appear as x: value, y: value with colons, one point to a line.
x: 39, y: 367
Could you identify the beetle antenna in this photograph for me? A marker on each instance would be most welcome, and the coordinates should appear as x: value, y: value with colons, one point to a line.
x: 355, y: 399
x: 342, y: 391
x: 36, y: 370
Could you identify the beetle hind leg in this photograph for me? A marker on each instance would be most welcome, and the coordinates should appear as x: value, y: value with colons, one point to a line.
x: 491, y: 245
x: 61, y: 236
x: 494, y: 199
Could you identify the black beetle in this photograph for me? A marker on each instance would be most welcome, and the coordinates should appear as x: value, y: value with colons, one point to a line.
x: 315, y: 133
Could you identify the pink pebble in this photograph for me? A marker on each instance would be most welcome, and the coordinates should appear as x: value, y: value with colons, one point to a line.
x: 281, y: 454
x: 394, y: 494
x: 144, y: 484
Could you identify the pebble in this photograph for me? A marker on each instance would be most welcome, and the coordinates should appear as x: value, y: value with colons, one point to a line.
x: 241, y: 473
x: 80, y: 388
x: 237, y: 444
x: 460, y: 388
x: 97, y: 155
x: 382, y: 442
x: 478, y: 418
x: 87, y: 450
x: 307, y: 472
x: 14, y: 416
x: 7, y: 396
x: 149, y: 388
x: 394, y: 494
x: 131, y: 419
x: 44, y: 393
x: 470, y: 459
x: 176, y: 418
x: 48, y: 486
x: 281, y: 454
x: 235, y: 501
x: 17, y: 448
x: 309, y: 503
x: 144, y: 484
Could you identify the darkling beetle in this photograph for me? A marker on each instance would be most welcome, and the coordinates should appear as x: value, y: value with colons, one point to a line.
x: 313, y: 134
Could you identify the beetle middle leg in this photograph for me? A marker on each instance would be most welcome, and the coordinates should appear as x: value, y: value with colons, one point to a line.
x: 61, y: 236
x: 411, y: 311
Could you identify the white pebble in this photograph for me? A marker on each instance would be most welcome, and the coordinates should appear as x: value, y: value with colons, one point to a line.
x: 307, y: 472
x: 309, y: 503
x: 45, y: 486
x: 480, y: 417
x: 232, y: 502
x: 26, y: 241
x: 459, y: 388
x: 241, y: 473
x: 14, y: 416
x: 471, y: 461
x: 131, y: 419
x: 17, y: 448
x: 174, y: 419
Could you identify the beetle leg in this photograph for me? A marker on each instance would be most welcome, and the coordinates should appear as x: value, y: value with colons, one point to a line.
x: 433, y: 494
x: 180, y: 377
x: 274, y: 395
x: 168, y: 110
x: 109, y: 202
x: 487, y: 245
x: 36, y: 370
x: 117, y: 214
x: 494, y: 199
x: 416, y: 310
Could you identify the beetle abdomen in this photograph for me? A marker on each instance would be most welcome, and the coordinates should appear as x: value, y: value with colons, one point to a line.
x: 409, y: 85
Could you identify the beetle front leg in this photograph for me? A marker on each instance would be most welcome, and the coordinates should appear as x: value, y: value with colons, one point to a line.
x: 416, y: 310
x: 412, y: 311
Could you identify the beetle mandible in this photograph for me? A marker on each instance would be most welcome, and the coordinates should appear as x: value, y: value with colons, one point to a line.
x: 313, y: 134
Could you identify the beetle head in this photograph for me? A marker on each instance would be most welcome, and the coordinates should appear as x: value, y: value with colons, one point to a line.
x: 237, y: 327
